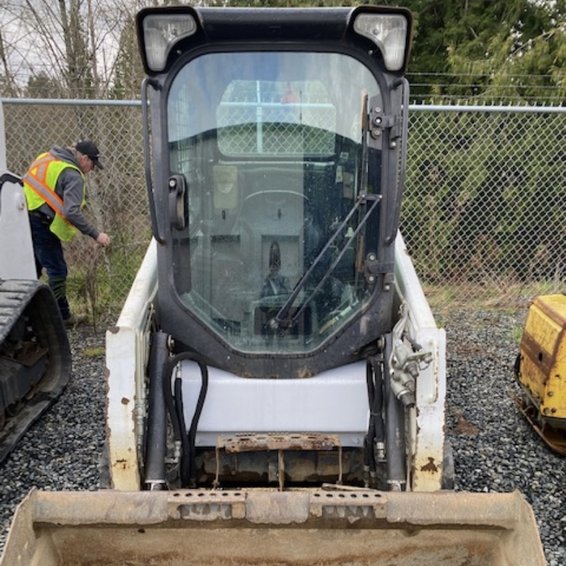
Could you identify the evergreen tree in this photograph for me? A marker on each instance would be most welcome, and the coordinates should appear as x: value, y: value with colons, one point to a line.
x: 467, y: 48
x: 128, y: 73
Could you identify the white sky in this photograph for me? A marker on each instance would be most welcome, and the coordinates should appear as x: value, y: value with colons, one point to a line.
x: 32, y: 51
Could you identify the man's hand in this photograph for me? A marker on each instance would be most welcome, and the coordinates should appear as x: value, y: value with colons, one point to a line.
x: 103, y: 239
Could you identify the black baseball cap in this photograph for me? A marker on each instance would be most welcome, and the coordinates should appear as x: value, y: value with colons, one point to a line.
x: 88, y: 148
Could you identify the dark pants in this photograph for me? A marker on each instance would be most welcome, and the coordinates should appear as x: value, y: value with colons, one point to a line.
x: 48, y: 253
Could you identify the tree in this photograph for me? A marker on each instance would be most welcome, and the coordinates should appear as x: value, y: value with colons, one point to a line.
x: 43, y: 86
x: 7, y: 83
x: 128, y: 71
x: 508, y: 50
x: 464, y: 49
x: 72, y: 42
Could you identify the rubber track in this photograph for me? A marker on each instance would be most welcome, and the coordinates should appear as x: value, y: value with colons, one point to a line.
x: 15, y: 296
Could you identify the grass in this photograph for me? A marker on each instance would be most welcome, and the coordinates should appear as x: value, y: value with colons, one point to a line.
x: 94, y: 352
x: 100, y: 285
x: 494, y: 294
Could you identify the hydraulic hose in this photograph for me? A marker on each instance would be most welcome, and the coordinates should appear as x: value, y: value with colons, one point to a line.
x: 184, y: 471
x: 375, y: 438
x: 175, y: 406
x: 170, y: 404
x: 195, y: 421
x: 377, y: 409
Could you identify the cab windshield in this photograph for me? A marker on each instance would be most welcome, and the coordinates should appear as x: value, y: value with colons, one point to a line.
x: 282, y: 197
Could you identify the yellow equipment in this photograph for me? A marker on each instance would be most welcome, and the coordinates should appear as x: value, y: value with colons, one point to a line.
x: 541, y: 369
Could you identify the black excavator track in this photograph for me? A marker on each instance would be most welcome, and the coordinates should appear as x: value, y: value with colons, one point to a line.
x: 35, y: 357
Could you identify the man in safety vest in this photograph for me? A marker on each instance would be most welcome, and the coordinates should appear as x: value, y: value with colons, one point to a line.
x: 54, y: 187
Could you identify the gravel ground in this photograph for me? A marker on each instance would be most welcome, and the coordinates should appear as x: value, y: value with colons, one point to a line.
x: 494, y: 449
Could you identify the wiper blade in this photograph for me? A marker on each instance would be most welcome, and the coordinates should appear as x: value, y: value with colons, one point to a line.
x: 280, y: 320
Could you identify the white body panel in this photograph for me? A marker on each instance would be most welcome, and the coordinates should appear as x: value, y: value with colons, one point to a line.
x: 127, y: 347
x: 16, y: 249
x: 335, y: 402
x: 428, y: 420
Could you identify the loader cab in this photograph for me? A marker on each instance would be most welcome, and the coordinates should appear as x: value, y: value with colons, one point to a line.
x: 277, y: 149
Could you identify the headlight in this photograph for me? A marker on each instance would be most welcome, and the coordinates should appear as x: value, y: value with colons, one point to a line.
x: 160, y: 32
x: 389, y: 32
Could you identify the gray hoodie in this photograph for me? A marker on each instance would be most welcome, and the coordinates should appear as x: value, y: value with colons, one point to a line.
x: 71, y: 187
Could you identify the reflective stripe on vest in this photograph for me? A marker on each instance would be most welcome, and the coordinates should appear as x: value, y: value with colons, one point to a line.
x: 39, y: 188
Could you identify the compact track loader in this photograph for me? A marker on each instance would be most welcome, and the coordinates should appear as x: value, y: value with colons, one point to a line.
x: 276, y: 380
x: 35, y: 359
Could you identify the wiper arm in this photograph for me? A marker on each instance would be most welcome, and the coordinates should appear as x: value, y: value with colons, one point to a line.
x: 280, y: 320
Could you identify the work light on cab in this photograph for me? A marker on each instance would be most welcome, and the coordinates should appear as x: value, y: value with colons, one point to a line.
x: 161, y: 32
x: 389, y: 32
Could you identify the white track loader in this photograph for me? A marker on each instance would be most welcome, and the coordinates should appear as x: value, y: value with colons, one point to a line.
x: 276, y: 380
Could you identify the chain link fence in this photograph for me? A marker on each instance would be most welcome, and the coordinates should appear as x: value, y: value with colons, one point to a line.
x: 484, y: 210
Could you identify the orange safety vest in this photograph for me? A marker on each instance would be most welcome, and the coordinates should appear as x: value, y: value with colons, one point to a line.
x: 39, y: 188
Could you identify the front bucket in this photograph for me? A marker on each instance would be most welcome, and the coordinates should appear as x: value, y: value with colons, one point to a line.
x: 304, y: 527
